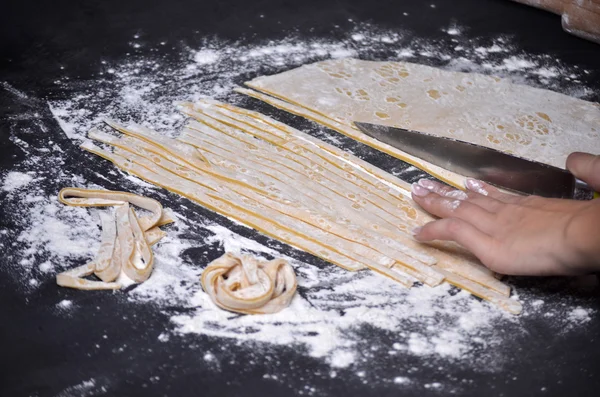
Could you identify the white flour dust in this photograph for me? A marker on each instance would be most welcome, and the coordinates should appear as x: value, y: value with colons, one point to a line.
x: 91, y: 387
x: 15, y: 180
x: 328, y: 317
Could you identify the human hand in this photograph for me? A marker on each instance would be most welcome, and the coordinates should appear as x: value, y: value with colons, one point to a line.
x: 518, y: 235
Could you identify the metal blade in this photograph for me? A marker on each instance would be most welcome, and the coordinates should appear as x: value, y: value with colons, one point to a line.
x: 489, y: 165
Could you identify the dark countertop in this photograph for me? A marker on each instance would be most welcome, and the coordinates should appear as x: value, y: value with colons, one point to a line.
x: 43, y: 354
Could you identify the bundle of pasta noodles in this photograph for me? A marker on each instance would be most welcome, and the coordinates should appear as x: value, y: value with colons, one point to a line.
x: 299, y: 190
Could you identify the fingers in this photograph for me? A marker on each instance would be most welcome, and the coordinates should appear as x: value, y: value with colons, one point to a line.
x: 480, y: 244
x: 586, y: 167
x: 453, y: 203
x: 486, y: 202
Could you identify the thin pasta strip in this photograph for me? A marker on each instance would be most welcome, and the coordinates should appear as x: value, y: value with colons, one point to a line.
x: 74, y: 278
x: 77, y: 197
x: 108, y: 265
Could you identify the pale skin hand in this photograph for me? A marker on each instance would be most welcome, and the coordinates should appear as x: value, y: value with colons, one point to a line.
x: 517, y: 235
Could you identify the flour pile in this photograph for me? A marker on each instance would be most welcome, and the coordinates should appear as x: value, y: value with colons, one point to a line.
x: 336, y: 313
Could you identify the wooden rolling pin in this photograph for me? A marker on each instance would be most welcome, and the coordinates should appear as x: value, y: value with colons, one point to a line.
x: 579, y: 17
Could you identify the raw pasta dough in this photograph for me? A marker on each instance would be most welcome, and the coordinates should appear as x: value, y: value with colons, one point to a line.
x: 529, y: 122
x: 247, y: 285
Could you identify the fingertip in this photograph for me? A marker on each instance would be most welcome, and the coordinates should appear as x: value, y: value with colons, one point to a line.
x: 477, y: 186
x: 586, y: 167
x: 572, y: 162
x: 418, y: 190
x: 426, y: 183
x: 574, y: 157
x: 426, y: 232
x: 415, y: 231
x: 423, y: 233
x: 579, y: 161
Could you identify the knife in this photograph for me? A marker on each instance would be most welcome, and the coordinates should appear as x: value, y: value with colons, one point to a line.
x: 479, y: 162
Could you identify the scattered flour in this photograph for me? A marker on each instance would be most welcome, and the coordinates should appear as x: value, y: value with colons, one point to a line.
x: 328, y: 317
x: 205, y: 57
x: 516, y: 63
x: 59, y: 233
x: 46, y: 267
x: 15, y: 180
x: 401, y: 380
x: 342, y: 358
x: 89, y: 387
x: 453, y: 31
x: 65, y: 304
x: 209, y: 357
x: 579, y: 316
x: 163, y: 337
x: 434, y: 385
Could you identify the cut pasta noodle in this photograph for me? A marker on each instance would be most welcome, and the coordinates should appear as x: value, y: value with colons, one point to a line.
x: 126, y: 238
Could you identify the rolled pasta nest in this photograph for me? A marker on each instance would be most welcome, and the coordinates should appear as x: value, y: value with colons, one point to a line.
x: 249, y: 286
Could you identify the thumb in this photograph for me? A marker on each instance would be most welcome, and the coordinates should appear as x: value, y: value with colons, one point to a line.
x: 586, y: 167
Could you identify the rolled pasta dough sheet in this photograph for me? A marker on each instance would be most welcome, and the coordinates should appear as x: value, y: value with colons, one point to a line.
x: 529, y: 122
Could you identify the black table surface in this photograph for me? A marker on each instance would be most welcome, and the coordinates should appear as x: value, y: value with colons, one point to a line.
x: 42, y: 355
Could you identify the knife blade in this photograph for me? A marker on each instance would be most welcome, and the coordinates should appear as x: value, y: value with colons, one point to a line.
x: 480, y: 162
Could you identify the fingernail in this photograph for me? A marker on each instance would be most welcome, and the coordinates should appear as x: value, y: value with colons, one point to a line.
x: 427, y: 184
x: 416, y: 230
x: 419, y: 190
x: 457, y: 194
x: 476, y: 186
